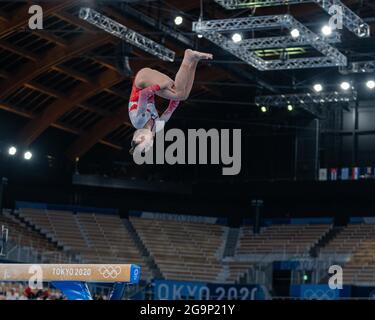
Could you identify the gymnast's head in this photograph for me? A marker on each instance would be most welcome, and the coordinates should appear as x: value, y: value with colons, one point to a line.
x: 142, y: 141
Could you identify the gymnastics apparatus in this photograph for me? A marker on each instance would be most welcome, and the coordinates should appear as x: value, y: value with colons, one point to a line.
x: 72, y: 279
x: 148, y: 83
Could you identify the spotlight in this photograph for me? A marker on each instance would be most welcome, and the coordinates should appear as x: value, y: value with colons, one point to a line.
x: 263, y: 109
x: 327, y: 30
x: 178, y: 20
x: 290, y: 107
x: 295, y: 33
x: 318, y: 87
x: 362, y: 31
x: 200, y: 36
x: 370, y: 84
x: 12, y: 151
x: 345, y: 85
x: 27, y: 155
x: 237, y: 37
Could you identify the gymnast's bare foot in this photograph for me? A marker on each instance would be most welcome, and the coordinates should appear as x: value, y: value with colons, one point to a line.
x: 196, y: 55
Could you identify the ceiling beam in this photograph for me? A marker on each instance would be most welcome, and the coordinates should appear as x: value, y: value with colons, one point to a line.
x: 57, y: 94
x: 55, y: 56
x: 30, y: 115
x: 75, y: 20
x: 103, y: 61
x: 73, y: 73
x: 63, y: 127
x: 81, y: 93
x: 18, y: 50
x: 51, y: 38
x: 100, y: 60
x: 4, y: 16
x: 98, y: 132
x: 85, y: 78
x: 43, y: 89
x: 118, y: 93
x: 20, y: 19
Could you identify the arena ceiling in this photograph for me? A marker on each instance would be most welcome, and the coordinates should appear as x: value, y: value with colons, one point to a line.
x: 67, y: 76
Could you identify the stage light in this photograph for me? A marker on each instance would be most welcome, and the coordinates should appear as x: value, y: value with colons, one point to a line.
x: 295, y: 33
x: 263, y: 109
x: 345, y: 85
x: 370, y: 84
x: 128, y: 35
x: 290, y: 107
x: 27, y: 155
x: 327, y: 30
x: 237, y: 37
x: 12, y: 151
x: 200, y: 36
x: 362, y: 30
x: 318, y: 87
x: 178, y: 20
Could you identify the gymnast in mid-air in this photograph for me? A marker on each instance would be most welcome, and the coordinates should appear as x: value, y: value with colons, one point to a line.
x: 148, y: 82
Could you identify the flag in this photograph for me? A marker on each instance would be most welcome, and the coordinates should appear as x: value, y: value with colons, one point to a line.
x: 323, y: 175
x: 355, y: 173
x: 333, y: 174
x: 345, y: 174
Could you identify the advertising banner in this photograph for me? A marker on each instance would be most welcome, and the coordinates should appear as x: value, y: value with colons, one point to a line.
x: 183, y: 290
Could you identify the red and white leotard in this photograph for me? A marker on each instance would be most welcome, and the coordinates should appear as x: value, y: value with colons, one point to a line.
x: 142, y: 105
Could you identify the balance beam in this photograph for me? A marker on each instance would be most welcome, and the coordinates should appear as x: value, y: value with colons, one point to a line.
x: 72, y: 278
x: 71, y: 272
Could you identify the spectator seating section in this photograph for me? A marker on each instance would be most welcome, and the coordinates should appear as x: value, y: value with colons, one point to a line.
x: 25, y: 237
x: 187, y: 250
x: 183, y: 250
x: 288, y: 239
x: 358, y: 241
x: 236, y: 269
x: 97, y: 238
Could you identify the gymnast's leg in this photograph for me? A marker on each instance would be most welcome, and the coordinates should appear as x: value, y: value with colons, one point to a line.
x: 185, y: 75
x: 173, y: 90
x: 189, y: 84
x: 148, y: 77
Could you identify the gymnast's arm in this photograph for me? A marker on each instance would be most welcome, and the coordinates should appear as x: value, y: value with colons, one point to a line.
x: 173, y: 104
x: 144, y: 94
x: 159, y: 124
x: 170, y: 93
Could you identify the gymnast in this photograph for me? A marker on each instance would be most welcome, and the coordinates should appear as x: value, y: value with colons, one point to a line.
x: 148, y: 82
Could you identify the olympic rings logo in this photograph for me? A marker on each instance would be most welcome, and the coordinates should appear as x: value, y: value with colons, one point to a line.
x: 319, y: 294
x: 110, y: 271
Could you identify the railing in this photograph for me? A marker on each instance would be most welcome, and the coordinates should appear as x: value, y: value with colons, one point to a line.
x: 22, y: 249
x: 260, y: 271
x: 338, y: 298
